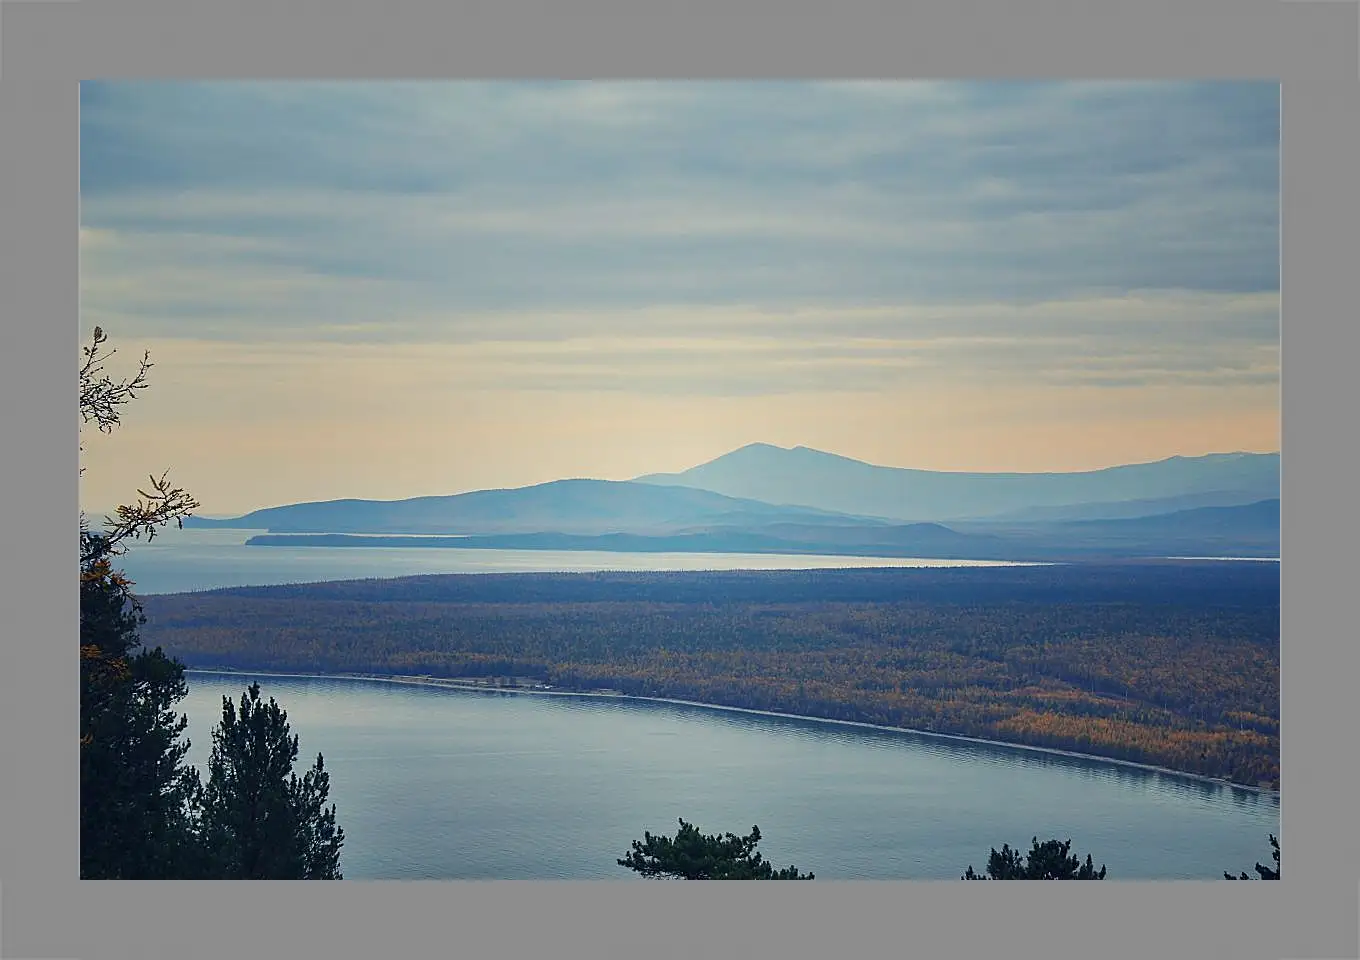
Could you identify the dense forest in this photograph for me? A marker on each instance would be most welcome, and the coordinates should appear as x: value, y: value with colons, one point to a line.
x: 1168, y: 663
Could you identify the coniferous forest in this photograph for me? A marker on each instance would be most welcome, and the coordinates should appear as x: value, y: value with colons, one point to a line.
x: 1169, y: 664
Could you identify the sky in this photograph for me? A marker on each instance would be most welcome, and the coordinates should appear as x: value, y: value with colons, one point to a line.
x: 387, y: 290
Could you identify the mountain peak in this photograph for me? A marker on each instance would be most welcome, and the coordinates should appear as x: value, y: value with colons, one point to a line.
x: 774, y: 449
x: 806, y: 477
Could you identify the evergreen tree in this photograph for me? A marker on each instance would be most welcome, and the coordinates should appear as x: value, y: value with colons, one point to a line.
x: 135, y: 789
x: 1050, y: 860
x: 260, y: 821
x: 1263, y: 872
x: 144, y: 814
x: 693, y: 856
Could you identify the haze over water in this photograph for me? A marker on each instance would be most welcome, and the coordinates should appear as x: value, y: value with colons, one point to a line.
x: 178, y: 561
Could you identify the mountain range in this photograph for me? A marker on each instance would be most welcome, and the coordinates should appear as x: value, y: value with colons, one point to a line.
x: 560, y: 506
x: 807, y: 477
x: 766, y: 499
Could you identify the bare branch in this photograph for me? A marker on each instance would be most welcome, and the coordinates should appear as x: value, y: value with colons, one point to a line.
x: 100, y: 399
x: 101, y: 395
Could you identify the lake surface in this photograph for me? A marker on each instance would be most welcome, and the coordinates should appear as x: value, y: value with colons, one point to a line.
x: 177, y: 561
x: 445, y: 784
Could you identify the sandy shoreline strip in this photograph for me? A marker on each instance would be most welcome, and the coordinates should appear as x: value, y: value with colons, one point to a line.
x: 464, y: 685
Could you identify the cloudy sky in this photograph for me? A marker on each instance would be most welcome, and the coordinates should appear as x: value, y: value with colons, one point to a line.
x: 401, y: 289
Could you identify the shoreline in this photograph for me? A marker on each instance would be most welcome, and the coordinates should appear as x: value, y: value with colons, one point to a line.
x: 457, y: 684
x: 1047, y: 556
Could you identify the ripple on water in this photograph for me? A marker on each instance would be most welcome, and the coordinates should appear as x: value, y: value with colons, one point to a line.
x: 439, y: 783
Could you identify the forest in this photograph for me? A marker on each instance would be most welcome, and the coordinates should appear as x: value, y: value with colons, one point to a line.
x: 1175, y: 664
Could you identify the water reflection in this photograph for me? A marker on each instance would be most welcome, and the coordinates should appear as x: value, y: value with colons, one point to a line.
x: 423, y: 776
x: 946, y: 748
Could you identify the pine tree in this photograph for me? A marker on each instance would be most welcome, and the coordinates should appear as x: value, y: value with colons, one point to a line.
x: 1050, y: 860
x: 144, y: 814
x: 1263, y: 872
x: 135, y: 788
x: 693, y: 856
x: 259, y: 819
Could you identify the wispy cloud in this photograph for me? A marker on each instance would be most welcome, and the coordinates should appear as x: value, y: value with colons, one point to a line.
x: 701, y: 240
x: 1149, y: 340
x: 623, y: 195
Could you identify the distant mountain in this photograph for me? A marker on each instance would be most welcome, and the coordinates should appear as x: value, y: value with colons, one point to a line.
x: 1128, y: 509
x: 1249, y: 522
x: 916, y: 540
x: 812, y: 478
x: 582, y: 507
x: 765, y: 499
x: 1252, y: 530
x: 1249, y: 530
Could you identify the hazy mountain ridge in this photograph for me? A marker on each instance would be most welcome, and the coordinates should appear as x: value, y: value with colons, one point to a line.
x: 1208, y: 505
x: 1247, y: 531
x: 946, y: 545
x: 1124, y: 509
x: 812, y: 478
x: 586, y: 507
x: 1262, y: 517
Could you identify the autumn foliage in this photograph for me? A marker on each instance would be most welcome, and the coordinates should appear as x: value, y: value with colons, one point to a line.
x: 1174, y: 665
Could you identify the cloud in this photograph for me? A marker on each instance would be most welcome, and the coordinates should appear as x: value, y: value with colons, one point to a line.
x: 1150, y: 340
x: 708, y: 237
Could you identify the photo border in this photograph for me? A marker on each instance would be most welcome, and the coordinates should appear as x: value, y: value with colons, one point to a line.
x: 46, y: 46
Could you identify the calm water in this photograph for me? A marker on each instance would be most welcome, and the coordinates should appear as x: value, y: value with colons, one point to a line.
x: 183, y: 560
x: 444, y: 784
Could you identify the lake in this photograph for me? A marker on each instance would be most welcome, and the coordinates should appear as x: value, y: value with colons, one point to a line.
x: 178, y: 561
x: 444, y: 784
